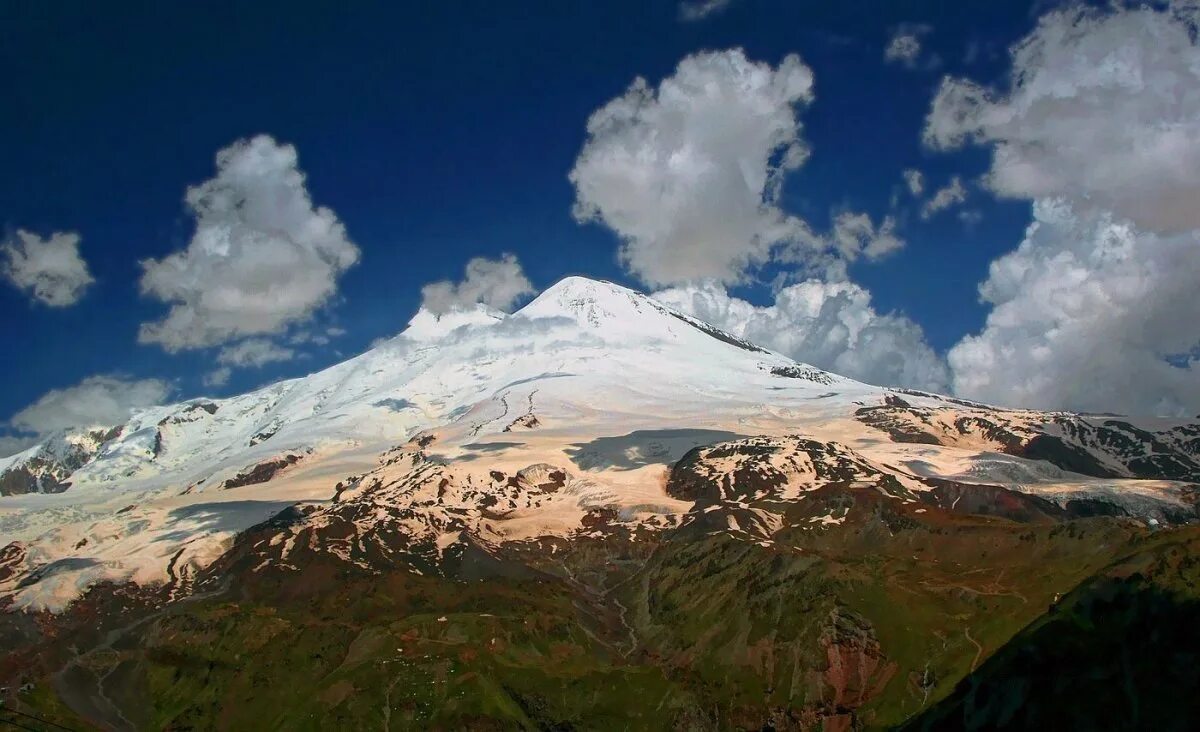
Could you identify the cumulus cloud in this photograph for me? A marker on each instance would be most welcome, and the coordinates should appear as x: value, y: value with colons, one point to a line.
x: 914, y: 180
x: 904, y: 47
x: 50, y: 270
x: 688, y: 174
x: 1101, y: 108
x: 497, y: 283
x: 950, y: 195
x: 1100, y: 126
x: 254, y: 352
x: 1088, y: 314
x: 831, y: 325
x: 701, y: 9
x: 95, y: 401
x: 262, y: 256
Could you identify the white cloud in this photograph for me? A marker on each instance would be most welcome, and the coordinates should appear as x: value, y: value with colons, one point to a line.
x: 854, y: 234
x: 497, y: 283
x: 95, y: 401
x: 904, y: 47
x: 701, y: 9
x: 261, y: 259
x: 952, y: 194
x: 218, y: 377
x: 254, y: 352
x: 688, y: 174
x: 831, y: 325
x: 50, y: 270
x: 915, y: 181
x: 1100, y: 126
x: 1102, y: 107
x: 1084, y: 315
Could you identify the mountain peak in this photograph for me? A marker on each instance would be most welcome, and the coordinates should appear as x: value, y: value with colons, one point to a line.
x: 592, y: 303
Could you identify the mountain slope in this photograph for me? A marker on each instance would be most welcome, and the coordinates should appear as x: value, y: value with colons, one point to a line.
x: 595, y: 489
x: 600, y: 382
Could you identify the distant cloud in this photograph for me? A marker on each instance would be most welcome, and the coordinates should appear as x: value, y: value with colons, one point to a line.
x: 262, y: 256
x: 688, y: 174
x: 50, y: 270
x: 254, y: 352
x: 855, y: 235
x: 691, y: 10
x: 1100, y: 128
x: 914, y: 180
x: 970, y: 217
x: 218, y: 376
x: 950, y: 195
x: 497, y: 283
x: 904, y: 47
x: 95, y: 401
x: 830, y: 325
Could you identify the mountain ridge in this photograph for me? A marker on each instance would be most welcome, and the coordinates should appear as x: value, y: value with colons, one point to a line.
x: 597, y: 381
x: 694, y: 532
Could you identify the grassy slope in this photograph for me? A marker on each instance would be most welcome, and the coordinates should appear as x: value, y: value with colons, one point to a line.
x: 1122, y: 651
x: 863, y: 625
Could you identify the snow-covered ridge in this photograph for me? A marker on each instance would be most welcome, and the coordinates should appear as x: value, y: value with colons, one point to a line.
x: 591, y: 380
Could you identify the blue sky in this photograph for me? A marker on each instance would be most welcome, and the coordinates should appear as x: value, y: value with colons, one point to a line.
x: 439, y: 132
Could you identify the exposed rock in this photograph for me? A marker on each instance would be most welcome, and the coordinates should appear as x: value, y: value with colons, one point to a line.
x: 808, y: 373
x: 261, y: 473
x: 719, y: 334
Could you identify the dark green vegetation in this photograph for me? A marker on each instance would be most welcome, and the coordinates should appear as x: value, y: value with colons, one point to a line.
x: 903, y: 613
x: 1122, y: 651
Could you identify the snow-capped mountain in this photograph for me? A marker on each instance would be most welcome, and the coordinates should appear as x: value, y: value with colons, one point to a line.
x: 593, y: 409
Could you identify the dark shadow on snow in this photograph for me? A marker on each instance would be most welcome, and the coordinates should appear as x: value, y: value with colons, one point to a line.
x: 643, y: 447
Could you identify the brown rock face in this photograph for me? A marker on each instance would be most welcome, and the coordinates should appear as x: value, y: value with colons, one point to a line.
x: 857, y: 669
x: 262, y: 472
x: 10, y: 557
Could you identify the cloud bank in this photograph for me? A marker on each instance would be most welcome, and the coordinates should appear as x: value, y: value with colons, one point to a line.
x: 830, y: 325
x: 1085, y: 315
x: 262, y: 256
x: 1100, y: 127
x: 50, y: 270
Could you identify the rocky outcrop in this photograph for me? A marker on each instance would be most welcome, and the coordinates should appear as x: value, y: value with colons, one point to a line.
x: 1097, y: 447
x: 262, y: 472
x: 49, y: 468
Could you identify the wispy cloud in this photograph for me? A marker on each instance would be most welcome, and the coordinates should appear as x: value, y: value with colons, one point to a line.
x: 692, y: 10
